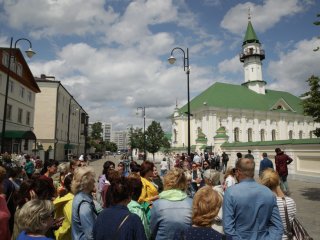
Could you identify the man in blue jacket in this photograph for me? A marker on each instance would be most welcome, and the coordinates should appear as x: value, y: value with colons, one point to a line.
x: 250, y: 209
x: 265, y: 163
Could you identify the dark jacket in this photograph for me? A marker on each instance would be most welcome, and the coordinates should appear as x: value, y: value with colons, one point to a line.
x: 110, y: 219
x: 282, y: 160
x: 264, y: 164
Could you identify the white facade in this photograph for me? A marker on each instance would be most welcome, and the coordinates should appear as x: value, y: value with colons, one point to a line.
x: 106, y: 131
x: 121, y: 139
x: 242, y: 126
x: 59, y: 120
x: 20, y: 101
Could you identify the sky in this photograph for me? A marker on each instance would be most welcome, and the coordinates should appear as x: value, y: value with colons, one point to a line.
x: 111, y: 55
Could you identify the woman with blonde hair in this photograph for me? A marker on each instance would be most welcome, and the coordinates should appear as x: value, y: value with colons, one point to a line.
x: 36, y: 218
x: 212, y: 178
x: 270, y: 178
x: 205, y: 207
x: 172, y: 211
x: 84, y: 213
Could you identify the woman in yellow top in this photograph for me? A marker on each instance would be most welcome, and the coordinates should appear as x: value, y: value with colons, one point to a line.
x: 63, y: 211
x: 149, y: 192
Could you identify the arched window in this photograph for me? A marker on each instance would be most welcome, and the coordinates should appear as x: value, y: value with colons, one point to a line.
x: 273, y: 135
x: 250, y: 135
x: 236, y: 134
x: 262, y: 135
x: 311, y: 134
x: 174, y: 136
x: 290, y: 134
x: 300, y: 134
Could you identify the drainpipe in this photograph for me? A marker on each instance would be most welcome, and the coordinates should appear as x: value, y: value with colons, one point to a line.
x: 56, y: 124
x: 68, y: 133
x: 79, y: 130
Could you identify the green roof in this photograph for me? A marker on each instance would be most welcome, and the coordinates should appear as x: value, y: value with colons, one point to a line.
x: 250, y: 36
x: 224, y: 95
x: 270, y: 143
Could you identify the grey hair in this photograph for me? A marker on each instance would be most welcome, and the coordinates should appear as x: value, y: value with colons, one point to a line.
x: 64, y: 168
x: 212, y: 177
x: 33, y: 215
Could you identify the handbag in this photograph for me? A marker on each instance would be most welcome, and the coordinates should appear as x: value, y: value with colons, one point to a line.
x: 294, y: 231
x: 299, y: 232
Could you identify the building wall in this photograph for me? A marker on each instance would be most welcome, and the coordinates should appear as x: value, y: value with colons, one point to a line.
x: 45, y: 111
x: 306, y: 158
x: 107, y: 131
x: 55, y: 110
x: 120, y: 138
x: 26, y: 102
x: 209, y: 120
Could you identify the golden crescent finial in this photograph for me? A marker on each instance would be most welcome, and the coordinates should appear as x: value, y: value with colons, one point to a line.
x: 249, y: 14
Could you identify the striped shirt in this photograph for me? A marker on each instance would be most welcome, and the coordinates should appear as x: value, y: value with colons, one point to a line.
x: 291, y: 207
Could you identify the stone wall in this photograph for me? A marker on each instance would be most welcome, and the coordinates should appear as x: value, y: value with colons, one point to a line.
x: 306, y: 158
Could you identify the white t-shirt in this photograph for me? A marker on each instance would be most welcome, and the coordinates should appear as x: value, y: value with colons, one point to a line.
x: 229, y: 181
x: 163, y: 165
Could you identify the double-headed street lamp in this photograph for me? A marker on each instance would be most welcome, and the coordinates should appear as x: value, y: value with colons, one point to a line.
x: 29, y: 53
x: 186, y: 68
x: 143, y: 109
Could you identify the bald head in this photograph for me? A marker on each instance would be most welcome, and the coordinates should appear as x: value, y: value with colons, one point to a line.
x: 246, y: 167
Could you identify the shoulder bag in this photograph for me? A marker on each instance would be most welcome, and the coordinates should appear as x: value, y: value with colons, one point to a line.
x: 295, y: 230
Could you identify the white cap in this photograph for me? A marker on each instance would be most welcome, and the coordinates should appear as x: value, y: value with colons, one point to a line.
x: 81, y: 158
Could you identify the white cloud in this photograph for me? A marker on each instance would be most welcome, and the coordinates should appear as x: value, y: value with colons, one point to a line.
x: 294, y: 67
x: 132, y: 26
x: 232, y: 65
x: 50, y: 18
x: 264, y: 16
x: 109, y: 82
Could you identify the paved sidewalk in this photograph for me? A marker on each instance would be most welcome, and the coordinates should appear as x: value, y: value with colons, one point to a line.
x: 305, y: 194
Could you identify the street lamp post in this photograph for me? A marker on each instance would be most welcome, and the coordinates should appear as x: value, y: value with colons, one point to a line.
x: 186, y: 68
x: 143, y: 109
x: 29, y: 53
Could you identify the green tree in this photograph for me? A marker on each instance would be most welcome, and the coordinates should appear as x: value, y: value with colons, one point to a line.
x: 136, y: 138
x: 155, y: 138
x: 311, y: 102
x: 96, y: 131
x: 111, y: 146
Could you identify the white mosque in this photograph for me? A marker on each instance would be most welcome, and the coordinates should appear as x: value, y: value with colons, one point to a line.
x: 241, y: 113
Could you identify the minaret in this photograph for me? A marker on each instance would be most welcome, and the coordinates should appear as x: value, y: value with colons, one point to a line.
x: 176, y: 110
x: 252, y: 56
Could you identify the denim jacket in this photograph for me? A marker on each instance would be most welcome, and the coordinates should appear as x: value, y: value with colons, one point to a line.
x: 84, y: 219
x: 170, y: 216
x: 250, y: 212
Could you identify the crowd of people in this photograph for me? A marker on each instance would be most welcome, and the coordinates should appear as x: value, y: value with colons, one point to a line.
x: 191, y: 198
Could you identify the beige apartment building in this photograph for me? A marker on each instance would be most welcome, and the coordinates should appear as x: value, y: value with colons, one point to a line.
x: 60, y: 121
x: 22, y: 89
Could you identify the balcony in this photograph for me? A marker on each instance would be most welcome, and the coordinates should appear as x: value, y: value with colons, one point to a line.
x: 251, y: 53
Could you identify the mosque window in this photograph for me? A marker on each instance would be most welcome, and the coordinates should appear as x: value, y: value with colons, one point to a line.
x: 310, y: 134
x: 174, y: 136
x: 250, y: 135
x: 300, y: 134
x: 290, y: 134
x: 236, y: 134
x: 262, y: 135
x: 273, y: 135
